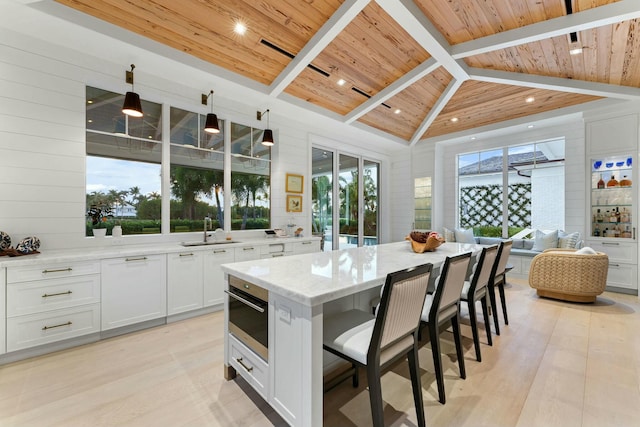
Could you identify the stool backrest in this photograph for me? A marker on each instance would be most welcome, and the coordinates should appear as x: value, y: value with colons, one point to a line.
x: 400, y: 306
x: 483, y: 269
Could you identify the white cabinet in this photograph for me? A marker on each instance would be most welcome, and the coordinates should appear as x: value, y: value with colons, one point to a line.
x: 247, y: 253
x: 213, y: 275
x: 184, y: 281
x: 134, y: 289
x: 276, y: 249
x: 3, y: 316
x: 612, y: 147
x: 306, y: 247
x: 49, y: 303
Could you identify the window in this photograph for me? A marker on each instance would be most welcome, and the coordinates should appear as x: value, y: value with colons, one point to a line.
x: 322, y: 195
x: 197, y: 173
x: 123, y: 164
x: 124, y: 159
x: 534, y: 177
x: 422, y: 202
x: 250, y: 179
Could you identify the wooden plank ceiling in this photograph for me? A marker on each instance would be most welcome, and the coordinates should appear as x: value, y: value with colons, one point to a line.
x: 411, y: 69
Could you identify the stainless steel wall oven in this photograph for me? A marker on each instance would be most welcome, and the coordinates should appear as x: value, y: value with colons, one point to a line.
x: 249, y: 315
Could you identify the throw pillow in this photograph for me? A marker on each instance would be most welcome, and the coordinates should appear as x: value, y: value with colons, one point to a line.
x: 568, y: 240
x: 586, y: 251
x: 464, y: 236
x: 545, y: 241
x: 449, y: 235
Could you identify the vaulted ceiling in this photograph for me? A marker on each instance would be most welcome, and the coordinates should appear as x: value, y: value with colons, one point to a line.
x: 412, y: 69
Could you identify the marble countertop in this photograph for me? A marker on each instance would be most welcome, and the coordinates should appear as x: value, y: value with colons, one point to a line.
x: 116, y: 250
x: 316, y: 278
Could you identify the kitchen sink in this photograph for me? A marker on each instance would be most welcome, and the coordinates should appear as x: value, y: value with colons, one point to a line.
x: 213, y: 242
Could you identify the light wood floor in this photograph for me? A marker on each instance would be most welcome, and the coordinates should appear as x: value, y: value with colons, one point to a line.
x: 556, y: 364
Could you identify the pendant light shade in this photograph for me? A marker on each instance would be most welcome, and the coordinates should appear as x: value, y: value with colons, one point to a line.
x: 267, y: 135
x: 267, y: 138
x: 211, y: 124
x: 132, y: 105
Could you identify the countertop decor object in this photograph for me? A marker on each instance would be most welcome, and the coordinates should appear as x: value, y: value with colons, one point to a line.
x: 5, y: 241
x: 424, y: 242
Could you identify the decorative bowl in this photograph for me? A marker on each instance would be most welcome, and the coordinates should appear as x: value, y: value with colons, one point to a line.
x: 426, y: 245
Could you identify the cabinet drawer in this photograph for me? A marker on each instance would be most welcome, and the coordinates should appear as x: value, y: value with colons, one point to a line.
x: 51, y: 271
x: 250, y: 366
x: 42, y: 328
x: 247, y: 253
x: 622, y: 276
x: 52, y: 294
x: 625, y: 252
x: 276, y: 248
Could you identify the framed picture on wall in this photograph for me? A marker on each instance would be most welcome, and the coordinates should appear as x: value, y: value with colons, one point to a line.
x: 294, y: 203
x: 294, y: 183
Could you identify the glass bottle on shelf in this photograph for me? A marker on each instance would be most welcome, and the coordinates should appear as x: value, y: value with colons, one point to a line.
x: 625, y: 182
x: 601, y: 182
x: 613, y: 182
x: 599, y: 217
x: 596, y: 231
x: 626, y: 233
x: 624, y: 215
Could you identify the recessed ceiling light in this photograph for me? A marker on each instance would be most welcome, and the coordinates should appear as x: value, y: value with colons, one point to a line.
x: 398, y: 111
x: 530, y: 99
x: 240, y: 28
x: 575, y: 48
x: 90, y: 121
x: 454, y: 119
x: 473, y: 138
x: 531, y: 126
x: 341, y: 82
x: 90, y: 101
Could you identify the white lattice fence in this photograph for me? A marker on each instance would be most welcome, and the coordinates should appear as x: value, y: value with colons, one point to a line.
x: 481, y: 205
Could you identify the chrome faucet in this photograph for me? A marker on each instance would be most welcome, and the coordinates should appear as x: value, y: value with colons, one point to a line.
x: 206, y: 220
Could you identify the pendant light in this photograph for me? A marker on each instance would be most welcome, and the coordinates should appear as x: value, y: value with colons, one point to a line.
x: 132, y: 106
x: 267, y: 135
x: 211, y: 124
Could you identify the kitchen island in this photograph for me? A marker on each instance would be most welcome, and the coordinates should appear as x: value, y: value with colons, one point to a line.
x: 301, y: 289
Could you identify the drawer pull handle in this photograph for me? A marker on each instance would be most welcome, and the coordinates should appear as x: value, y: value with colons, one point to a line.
x: 57, y: 271
x: 144, y: 258
x: 246, y: 368
x: 307, y: 243
x: 44, y: 328
x: 614, y: 265
x: 276, y: 255
x: 191, y: 254
x: 248, y: 249
x: 610, y: 244
x: 220, y: 251
x: 55, y: 295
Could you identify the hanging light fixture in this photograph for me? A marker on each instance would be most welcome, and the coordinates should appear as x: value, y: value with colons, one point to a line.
x: 211, y: 124
x: 132, y: 106
x: 267, y: 135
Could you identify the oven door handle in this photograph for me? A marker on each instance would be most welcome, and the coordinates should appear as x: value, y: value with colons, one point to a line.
x: 244, y: 301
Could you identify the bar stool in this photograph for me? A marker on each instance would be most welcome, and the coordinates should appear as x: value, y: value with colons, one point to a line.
x: 376, y: 341
x: 443, y: 306
x: 476, y: 290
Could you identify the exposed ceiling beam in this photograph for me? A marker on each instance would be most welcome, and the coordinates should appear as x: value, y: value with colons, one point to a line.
x: 329, y: 31
x: 394, y: 88
x: 446, y: 96
x: 591, y: 18
x: 555, y: 83
x: 411, y: 18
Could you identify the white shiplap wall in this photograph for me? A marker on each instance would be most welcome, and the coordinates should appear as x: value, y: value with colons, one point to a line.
x: 42, y: 136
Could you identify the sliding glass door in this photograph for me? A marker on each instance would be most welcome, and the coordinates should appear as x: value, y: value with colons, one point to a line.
x: 353, y: 182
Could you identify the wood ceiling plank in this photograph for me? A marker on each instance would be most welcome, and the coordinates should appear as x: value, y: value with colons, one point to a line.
x: 323, y: 92
x: 414, y: 102
x: 509, y: 104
